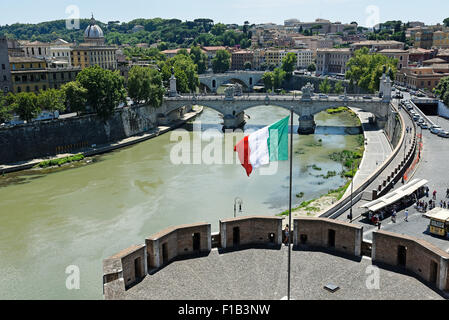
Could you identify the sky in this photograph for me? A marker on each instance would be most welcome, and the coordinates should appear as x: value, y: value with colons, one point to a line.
x: 365, y: 12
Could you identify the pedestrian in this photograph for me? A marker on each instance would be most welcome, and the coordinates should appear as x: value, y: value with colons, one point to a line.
x: 434, y: 194
x: 286, y: 235
x: 441, y: 204
x: 447, y: 193
x: 378, y: 225
x: 406, y: 215
x: 427, y: 191
x: 444, y: 204
x: 393, y: 216
x: 425, y: 207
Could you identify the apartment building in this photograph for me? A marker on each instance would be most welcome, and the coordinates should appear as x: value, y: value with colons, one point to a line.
x: 332, y: 61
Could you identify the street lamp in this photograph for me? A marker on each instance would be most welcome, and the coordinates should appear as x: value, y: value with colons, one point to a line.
x: 238, y: 201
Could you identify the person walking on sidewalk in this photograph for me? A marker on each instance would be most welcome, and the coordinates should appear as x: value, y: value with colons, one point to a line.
x: 393, y: 216
x: 434, y: 194
x: 406, y: 215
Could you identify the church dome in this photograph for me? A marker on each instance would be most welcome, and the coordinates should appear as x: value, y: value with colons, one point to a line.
x: 93, y: 31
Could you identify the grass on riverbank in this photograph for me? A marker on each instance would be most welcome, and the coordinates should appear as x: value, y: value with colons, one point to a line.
x: 60, y: 162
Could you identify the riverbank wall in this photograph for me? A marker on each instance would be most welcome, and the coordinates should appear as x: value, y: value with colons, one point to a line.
x: 44, y: 139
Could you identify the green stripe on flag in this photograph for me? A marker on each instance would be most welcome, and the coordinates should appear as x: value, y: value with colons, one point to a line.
x: 278, y: 140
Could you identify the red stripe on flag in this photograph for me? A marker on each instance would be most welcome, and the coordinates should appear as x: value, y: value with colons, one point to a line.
x: 243, y: 150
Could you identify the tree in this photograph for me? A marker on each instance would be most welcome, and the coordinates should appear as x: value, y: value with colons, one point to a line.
x: 145, y: 84
x: 221, y: 62
x: 25, y: 106
x: 268, y: 80
x: 446, y: 22
x: 185, y: 72
x: 218, y: 29
x: 199, y: 58
x: 105, y: 89
x: 311, y: 67
x: 339, y: 87
x: 279, y: 77
x: 365, y: 69
x: 289, y: 63
x: 325, y: 86
x: 5, y: 109
x: 51, y: 100
x: 75, y: 96
x: 442, y: 90
x: 248, y: 65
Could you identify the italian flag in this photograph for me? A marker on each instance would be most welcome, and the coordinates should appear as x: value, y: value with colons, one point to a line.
x: 264, y: 146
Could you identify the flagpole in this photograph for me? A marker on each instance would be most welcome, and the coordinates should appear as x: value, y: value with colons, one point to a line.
x: 290, y: 202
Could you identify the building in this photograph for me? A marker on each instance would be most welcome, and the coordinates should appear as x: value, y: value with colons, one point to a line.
x: 418, y: 55
x: 332, y: 61
x: 240, y: 58
x: 398, y: 54
x: 61, y: 52
x: 422, y: 37
x: 211, y: 52
x: 33, y: 75
x: 173, y: 52
x: 422, y: 77
x: 5, y: 69
x: 14, y: 48
x: 36, y: 49
x: 93, y: 51
x: 305, y: 58
x: 441, y: 39
x: 28, y: 74
x: 377, y: 45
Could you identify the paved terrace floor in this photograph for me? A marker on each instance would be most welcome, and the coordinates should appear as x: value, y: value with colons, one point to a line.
x: 262, y: 274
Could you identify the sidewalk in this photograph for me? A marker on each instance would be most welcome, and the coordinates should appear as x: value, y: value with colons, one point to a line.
x: 356, y: 211
x: 377, y: 150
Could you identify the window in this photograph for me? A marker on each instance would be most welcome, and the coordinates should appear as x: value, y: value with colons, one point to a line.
x: 3, y: 66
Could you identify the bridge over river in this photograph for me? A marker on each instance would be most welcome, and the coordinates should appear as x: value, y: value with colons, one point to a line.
x: 233, y: 103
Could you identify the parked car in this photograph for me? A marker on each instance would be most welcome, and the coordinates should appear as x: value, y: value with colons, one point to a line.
x: 415, y: 117
x: 443, y: 134
x: 420, y: 121
x: 322, y: 96
x: 367, y: 97
x: 435, y: 129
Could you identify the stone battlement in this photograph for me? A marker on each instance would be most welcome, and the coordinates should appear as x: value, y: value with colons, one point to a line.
x: 130, y: 266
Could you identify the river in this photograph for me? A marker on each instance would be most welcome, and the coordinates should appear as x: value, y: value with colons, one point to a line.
x: 82, y: 215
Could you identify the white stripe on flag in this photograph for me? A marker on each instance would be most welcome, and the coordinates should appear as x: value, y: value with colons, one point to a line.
x: 258, y: 146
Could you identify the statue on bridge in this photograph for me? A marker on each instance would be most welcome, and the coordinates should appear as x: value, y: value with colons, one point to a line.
x: 235, y: 90
x: 307, y: 91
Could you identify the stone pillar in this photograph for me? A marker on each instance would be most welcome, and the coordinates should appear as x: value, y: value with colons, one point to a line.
x: 295, y: 232
x: 279, y: 232
x: 234, y: 121
x: 223, y: 235
x: 443, y: 274
x: 358, y: 242
x: 307, y: 124
x: 209, y: 238
x: 156, y: 250
x: 173, y: 89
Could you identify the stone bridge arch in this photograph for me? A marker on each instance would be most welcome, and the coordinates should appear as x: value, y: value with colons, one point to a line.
x: 246, y: 78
